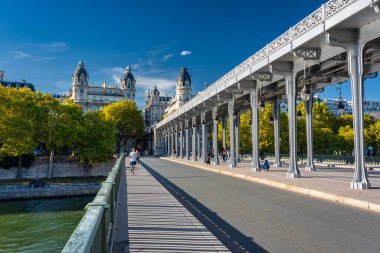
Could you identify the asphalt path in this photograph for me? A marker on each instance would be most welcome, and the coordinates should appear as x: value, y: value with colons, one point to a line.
x: 259, y: 218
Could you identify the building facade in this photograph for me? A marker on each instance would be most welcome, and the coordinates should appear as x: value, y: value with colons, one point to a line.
x: 22, y: 84
x: 92, y: 97
x: 155, y: 107
x: 183, y: 92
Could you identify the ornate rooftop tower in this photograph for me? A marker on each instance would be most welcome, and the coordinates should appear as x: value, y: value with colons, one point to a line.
x: 183, y: 86
x: 80, y: 76
x: 128, y: 84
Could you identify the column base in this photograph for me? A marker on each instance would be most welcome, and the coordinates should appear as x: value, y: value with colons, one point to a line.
x: 255, y: 169
x: 232, y: 165
x: 215, y: 163
x: 277, y: 165
x: 187, y: 158
x: 310, y: 168
x: 360, y: 185
x: 293, y: 174
x: 195, y: 159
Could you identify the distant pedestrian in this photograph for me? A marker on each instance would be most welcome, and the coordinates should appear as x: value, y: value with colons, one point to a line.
x: 224, y: 153
x: 132, y: 161
x: 138, y: 154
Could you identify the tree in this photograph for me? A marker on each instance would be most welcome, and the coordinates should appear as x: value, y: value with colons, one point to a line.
x: 372, y: 135
x: 245, y: 135
x: 266, y: 132
x: 59, y: 124
x: 127, y: 119
x: 346, y: 139
x: 17, y: 123
x: 97, y: 138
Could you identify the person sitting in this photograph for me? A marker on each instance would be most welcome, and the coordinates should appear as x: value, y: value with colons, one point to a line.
x: 265, y: 165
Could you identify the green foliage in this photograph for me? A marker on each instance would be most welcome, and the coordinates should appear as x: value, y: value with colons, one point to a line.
x: 245, y: 133
x: 127, y: 119
x: 97, y: 138
x: 58, y: 122
x: 346, y: 139
x: 17, y: 122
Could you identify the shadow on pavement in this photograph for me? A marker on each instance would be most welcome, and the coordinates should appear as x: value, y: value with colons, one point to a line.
x: 232, y: 238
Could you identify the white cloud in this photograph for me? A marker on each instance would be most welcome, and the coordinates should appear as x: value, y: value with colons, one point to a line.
x: 184, y: 52
x: 23, y: 55
x: 167, y: 57
x: 56, y: 46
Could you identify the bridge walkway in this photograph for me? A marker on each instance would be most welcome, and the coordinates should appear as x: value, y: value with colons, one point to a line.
x: 329, y: 183
x: 150, y: 219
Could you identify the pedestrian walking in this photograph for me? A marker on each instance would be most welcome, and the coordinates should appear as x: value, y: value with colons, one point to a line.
x: 132, y: 161
x: 224, y: 153
x: 138, y: 154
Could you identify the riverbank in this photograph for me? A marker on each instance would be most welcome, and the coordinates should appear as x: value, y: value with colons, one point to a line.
x: 63, y: 166
x: 16, y: 191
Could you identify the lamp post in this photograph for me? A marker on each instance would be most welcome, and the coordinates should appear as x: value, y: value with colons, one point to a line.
x: 340, y: 106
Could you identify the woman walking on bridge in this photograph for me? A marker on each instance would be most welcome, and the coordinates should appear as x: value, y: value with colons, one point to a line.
x: 132, y: 161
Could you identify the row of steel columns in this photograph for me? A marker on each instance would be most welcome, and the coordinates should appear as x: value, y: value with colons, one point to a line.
x: 355, y: 69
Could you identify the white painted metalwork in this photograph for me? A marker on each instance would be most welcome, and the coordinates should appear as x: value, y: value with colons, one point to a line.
x: 326, y: 12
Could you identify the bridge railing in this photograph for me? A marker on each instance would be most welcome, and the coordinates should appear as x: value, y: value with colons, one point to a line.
x: 95, y: 231
x: 317, y: 17
x: 343, y: 159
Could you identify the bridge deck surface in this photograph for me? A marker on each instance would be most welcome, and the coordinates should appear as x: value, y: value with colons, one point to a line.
x: 156, y: 221
x: 330, y: 183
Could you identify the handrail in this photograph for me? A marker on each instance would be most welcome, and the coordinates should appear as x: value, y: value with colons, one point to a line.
x: 94, y: 232
x: 315, y: 18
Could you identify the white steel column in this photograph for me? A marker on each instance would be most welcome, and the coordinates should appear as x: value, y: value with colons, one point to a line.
x: 194, y: 138
x: 291, y: 90
x: 309, y: 133
x: 181, y: 139
x: 215, y: 135
x: 237, y: 138
x: 355, y: 51
x: 187, y: 155
x: 255, y: 166
x: 168, y: 145
x: 176, y: 139
x: 286, y: 70
x: 276, y: 122
x: 204, y: 138
x: 232, y: 115
x: 199, y: 132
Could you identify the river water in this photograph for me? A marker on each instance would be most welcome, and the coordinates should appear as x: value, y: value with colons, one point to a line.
x: 39, y: 225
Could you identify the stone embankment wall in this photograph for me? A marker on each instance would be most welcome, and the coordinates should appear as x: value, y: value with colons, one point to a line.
x: 48, y: 192
x: 62, y: 167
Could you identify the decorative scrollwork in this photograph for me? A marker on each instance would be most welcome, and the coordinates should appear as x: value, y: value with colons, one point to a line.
x: 279, y: 42
x: 315, y: 18
x: 307, y: 23
x: 333, y: 6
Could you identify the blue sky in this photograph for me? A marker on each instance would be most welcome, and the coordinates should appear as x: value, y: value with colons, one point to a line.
x: 42, y: 41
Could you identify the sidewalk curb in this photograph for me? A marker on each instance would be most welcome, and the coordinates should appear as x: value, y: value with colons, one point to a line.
x: 313, y: 193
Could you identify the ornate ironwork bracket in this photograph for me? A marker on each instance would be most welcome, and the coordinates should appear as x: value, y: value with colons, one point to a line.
x: 263, y: 76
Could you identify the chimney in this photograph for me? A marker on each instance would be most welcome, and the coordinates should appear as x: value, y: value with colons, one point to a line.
x: 104, y: 84
x: 2, y: 75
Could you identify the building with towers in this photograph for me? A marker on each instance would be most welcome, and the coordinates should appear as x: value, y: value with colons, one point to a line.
x: 155, y: 107
x: 92, y: 97
x: 183, y: 92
